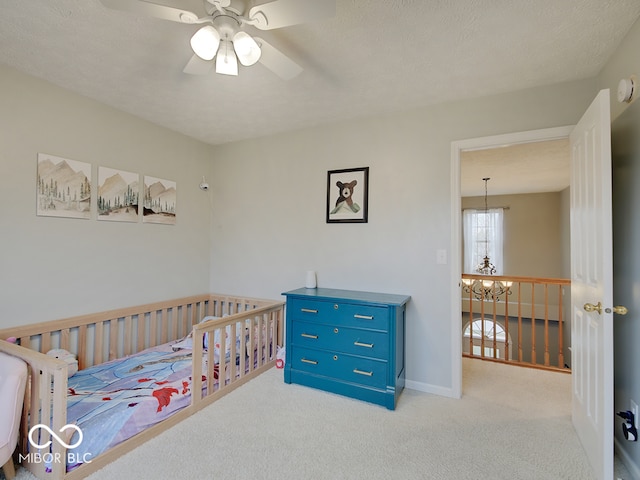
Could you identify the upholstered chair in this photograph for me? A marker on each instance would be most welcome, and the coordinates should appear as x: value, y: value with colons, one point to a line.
x: 13, y: 379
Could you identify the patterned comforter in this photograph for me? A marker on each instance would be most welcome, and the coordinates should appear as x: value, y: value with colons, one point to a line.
x: 114, y: 401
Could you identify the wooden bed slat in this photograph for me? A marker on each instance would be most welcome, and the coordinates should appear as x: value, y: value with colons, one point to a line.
x: 153, y: 336
x: 164, y: 321
x: 46, y: 342
x: 140, y: 334
x: 98, y: 357
x: 82, y: 346
x: 175, y: 320
x: 113, y: 339
x: 233, y: 334
x: 222, y: 364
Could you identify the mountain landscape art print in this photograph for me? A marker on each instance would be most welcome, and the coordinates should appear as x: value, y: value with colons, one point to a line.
x: 118, y: 193
x: 159, y: 201
x: 63, y: 187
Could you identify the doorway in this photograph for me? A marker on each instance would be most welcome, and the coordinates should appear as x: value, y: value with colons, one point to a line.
x: 457, y: 150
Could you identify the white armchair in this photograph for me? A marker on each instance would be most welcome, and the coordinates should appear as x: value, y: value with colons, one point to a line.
x: 13, y: 379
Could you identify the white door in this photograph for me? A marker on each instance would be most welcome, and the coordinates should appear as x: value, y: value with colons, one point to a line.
x: 592, y: 284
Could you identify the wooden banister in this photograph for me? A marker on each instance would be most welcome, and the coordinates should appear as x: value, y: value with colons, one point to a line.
x: 529, y: 308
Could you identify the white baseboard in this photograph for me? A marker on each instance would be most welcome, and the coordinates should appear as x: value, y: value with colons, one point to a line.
x: 628, y: 462
x: 428, y: 388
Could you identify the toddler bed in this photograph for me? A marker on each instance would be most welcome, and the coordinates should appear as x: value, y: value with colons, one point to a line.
x: 141, y: 370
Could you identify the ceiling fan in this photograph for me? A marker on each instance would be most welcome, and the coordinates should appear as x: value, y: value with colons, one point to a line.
x: 222, y: 34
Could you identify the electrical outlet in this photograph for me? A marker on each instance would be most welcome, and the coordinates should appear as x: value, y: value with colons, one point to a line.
x: 634, y: 410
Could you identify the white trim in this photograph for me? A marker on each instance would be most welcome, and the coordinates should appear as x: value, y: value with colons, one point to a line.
x: 507, y: 139
x: 457, y: 147
x: 626, y: 459
x: 456, y: 272
x: 428, y: 388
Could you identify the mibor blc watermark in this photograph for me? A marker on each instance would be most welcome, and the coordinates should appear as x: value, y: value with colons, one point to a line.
x: 70, y: 458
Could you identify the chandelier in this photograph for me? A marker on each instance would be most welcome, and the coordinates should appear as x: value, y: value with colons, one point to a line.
x: 486, y: 289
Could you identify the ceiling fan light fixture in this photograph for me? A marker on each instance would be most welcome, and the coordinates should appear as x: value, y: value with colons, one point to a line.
x: 246, y: 48
x: 226, y: 61
x: 205, y: 42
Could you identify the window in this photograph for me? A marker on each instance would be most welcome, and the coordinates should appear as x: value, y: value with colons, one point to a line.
x: 491, y: 328
x: 483, y: 233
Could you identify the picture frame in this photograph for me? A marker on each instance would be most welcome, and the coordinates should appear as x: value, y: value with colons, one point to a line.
x: 159, y: 203
x: 118, y: 195
x: 348, y: 195
x: 63, y: 187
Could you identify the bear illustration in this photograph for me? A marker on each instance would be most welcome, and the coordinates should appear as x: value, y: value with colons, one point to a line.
x: 345, y: 199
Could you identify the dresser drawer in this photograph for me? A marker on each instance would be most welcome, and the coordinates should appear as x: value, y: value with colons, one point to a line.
x: 347, y: 342
x: 339, y: 313
x: 340, y: 366
x: 354, y: 341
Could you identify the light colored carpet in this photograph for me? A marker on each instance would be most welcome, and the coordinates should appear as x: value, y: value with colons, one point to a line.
x: 512, y: 423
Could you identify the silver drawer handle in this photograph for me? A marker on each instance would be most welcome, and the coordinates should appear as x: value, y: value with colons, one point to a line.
x: 360, y: 344
x: 312, y: 362
x: 308, y: 310
x: 308, y: 335
x: 361, y: 372
x: 363, y: 317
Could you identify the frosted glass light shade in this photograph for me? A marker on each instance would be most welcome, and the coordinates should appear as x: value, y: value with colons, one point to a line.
x: 205, y: 42
x: 246, y: 48
x: 226, y: 61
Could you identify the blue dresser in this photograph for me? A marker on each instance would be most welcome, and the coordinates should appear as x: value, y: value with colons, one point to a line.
x: 347, y: 342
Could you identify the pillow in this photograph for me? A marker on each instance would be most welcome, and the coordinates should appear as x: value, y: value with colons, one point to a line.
x: 186, y: 343
x: 66, y: 356
x: 206, y: 335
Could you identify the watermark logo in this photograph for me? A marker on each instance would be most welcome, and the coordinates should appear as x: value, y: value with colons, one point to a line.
x: 68, y: 426
x: 71, y: 458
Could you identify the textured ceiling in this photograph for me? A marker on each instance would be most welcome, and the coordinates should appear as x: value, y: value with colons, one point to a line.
x: 373, y: 57
x: 523, y: 168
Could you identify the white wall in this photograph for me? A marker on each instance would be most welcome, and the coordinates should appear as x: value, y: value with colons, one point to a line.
x: 622, y: 64
x: 269, y: 199
x: 626, y: 330
x: 57, y: 267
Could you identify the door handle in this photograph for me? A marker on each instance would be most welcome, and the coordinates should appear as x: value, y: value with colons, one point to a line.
x: 590, y: 307
x: 620, y: 310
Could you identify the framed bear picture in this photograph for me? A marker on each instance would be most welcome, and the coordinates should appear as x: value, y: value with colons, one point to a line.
x: 348, y: 195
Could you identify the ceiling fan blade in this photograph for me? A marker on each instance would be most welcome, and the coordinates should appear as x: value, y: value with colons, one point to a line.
x: 222, y: 3
x: 282, y: 13
x: 198, y: 66
x: 163, y: 12
x: 276, y: 61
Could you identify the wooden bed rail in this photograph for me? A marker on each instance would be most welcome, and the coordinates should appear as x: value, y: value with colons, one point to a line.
x: 261, y: 332
x: 45, y: 403
x: 100, y: 337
